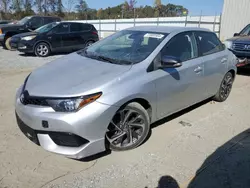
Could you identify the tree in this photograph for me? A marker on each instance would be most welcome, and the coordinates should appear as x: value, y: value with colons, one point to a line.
x: 28, y: 7
x: 82, y: 8
x: 38, y: 3
x: 59, y: 8
x: 132, y: 4
x: 17, y: 6
x: 158, y: 8
x: 99, y: 13
x: 69, y: 5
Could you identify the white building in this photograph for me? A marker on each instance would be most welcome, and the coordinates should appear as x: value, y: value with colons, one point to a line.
x: 235, y: 16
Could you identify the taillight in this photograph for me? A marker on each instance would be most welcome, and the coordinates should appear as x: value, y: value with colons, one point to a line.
x: 95, y: 32
x: 1, y: 31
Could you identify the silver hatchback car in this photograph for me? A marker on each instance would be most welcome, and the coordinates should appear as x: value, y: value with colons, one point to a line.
x: 107, y: 95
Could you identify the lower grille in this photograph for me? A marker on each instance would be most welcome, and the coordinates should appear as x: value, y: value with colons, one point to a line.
x: 27, y: 131
x: 67, y: 139
x: 34, y: 101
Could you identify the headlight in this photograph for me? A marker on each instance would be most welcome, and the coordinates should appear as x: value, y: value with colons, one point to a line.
x: 228, y: 44
x: 28, y: 37
x: 72, y: 104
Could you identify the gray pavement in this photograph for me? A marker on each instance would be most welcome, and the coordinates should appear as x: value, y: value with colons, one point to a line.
x: 193, y: 148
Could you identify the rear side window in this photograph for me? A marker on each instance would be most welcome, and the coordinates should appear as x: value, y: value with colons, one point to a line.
x: 75, y: 27
x: 79, y: 27
x: 208, y: 43
x: 62, y: 28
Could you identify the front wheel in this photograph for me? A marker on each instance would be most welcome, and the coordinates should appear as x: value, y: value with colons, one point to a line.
x: 42, y: 49
x: 225, y: 88
x: 129, y: 128
x: 7, y: 43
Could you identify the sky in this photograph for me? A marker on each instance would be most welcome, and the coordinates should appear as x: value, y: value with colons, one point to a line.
x: 208, y: 7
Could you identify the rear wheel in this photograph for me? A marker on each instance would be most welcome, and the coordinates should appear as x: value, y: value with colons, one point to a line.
x: 89, y: 43
x: 42, y: 49
x: 129, y: 128
x: 225, y: 88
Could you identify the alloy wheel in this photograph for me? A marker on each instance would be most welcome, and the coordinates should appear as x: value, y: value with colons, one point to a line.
x: 42, y: 50
x: 226, y: 86
x: 126, y: 129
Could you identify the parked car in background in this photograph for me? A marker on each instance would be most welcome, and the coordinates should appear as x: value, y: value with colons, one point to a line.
x: 240, y: 46
x: 4, y: 22
x: 56, y: 37
x: 26, y: 24
x: 106, y: 96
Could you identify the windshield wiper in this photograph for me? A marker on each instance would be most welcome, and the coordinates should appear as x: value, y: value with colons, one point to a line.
x: 107, y: 59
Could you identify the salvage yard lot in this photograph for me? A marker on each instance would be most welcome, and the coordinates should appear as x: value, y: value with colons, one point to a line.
x: 177, y: 147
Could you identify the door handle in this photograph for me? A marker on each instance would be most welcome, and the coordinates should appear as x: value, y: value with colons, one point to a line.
x: 198, y: 69
x: 224, y: 60
x: 49, y: 37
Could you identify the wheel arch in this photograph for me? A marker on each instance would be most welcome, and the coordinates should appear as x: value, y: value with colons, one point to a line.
x: 233, y: 73
x: 142, y: 101
x: 40, y: 41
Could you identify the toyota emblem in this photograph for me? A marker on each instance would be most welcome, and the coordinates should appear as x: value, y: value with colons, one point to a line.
x: 247, y: 47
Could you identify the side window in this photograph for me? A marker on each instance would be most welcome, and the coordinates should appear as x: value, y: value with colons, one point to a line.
x: 62, y: 28
x: 36, y: 22
x: 208, y: 43
x: 181, y: 46
x: 47, y: 20
x: 75, y: 27
x: 86, y: 27
x: 246, y: 30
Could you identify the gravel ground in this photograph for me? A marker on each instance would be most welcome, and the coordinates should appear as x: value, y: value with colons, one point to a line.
x: 198, y: 147
x: 15, y: 60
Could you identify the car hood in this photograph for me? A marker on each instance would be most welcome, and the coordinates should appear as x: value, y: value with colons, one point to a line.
x: 72, y: 75
x: 26, y: 34
x: 10, y: 26
x: 240, y: 39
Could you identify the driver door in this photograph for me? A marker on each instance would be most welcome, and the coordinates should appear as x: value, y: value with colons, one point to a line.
x: 178, y: 88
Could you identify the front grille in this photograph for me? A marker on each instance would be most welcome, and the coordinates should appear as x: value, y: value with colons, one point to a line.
x: 67, y: 139
x: 34, y: 101
x: 241, y: 47
x: 27, y: 131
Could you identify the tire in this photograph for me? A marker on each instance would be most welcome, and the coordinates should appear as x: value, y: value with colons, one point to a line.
x: 129, y: 127
x: 7, y: 43
x: 225, y: 88
x: 42, y: 49
x: 89, y: 43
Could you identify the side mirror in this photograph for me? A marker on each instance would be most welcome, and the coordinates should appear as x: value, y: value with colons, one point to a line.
x: 170, y: 62
x: 236, y: 34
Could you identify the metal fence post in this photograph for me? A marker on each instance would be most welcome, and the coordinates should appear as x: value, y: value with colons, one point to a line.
x: 186, y: 21
x: 219, y: 33
x: 200, y: 20
x: 158, y: 21
x: 214, y: 22
x: 100, y: 26
x: 115, y: 25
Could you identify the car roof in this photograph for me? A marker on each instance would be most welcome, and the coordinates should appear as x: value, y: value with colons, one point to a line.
x: 166, y: 29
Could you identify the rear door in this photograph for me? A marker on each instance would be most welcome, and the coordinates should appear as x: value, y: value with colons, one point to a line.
x: 57, y: 35
x: 178, y: 88
x: 80, y: 34
x: 215, y: 59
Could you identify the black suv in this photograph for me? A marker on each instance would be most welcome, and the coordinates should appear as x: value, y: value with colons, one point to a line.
x: 26, y: 24
x: 240, y: 46
x: 56, y: 37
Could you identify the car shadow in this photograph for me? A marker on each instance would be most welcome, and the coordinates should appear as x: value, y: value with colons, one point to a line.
x: 180, y: 113
x: 227, y: 167
x: 52, y: 54
x: 243, y: 71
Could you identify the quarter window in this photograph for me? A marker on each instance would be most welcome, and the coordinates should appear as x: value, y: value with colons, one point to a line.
x: 181, y: 46
x: 208, y: 43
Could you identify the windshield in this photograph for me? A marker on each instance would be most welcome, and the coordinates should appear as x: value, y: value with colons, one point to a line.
x: 23, y: 21
x: 125, y: 47
x: 47, y: 27
x: 246, y: 30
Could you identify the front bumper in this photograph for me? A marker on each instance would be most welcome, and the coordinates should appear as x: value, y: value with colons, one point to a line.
x: 89, y: 124
x: 25, y: 46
